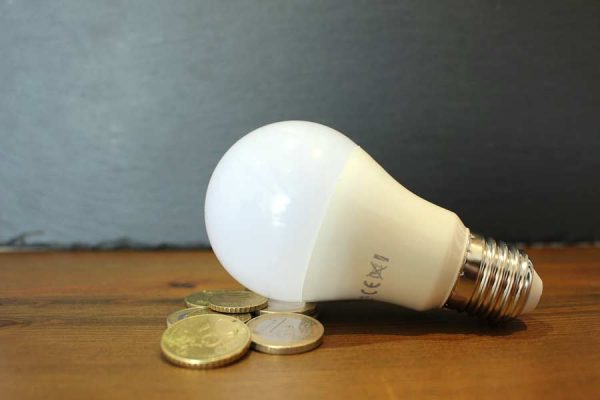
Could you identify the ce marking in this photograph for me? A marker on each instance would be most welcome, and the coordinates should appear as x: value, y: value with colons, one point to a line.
x: 377, y: 268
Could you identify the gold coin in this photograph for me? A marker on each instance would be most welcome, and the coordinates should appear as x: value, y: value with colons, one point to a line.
x: 200, y: 299
x: 236, y: 301
x: 205, y: 341
x: 189, y: 312
x: 276, y: 306
x: 285, y: 333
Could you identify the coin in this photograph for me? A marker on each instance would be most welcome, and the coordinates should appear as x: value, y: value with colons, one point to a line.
x: 285, y: 333
x: 276, y: 306
x: 200, y: 299
x: 188, y: 312
x: 236, y: 301
x: 205, y: 341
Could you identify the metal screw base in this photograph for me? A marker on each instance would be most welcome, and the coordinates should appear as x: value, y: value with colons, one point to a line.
x: 494, y: 282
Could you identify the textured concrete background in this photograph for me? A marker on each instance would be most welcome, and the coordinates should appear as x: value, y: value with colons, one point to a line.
x: 114, y: 113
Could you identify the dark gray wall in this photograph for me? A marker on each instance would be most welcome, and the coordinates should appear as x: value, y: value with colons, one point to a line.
x: 114, y: 113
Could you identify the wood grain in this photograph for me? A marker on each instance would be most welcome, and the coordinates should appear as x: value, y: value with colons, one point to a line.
x: 87, y: 325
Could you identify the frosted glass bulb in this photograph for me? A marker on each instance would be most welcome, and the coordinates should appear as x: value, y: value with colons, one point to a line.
x: 296, y: 211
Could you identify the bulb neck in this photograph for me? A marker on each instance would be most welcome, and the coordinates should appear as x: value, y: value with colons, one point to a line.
x: 494, y: 282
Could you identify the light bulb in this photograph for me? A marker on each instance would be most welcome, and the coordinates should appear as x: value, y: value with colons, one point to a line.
x: 296, y: 211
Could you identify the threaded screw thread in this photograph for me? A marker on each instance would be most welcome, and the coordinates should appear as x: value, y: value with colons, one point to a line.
x: 494, y: 282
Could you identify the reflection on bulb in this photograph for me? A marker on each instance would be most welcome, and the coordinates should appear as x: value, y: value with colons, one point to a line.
x: 296, y: 211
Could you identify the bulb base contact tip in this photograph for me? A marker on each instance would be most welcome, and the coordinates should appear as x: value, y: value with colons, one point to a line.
x: 496, y: 281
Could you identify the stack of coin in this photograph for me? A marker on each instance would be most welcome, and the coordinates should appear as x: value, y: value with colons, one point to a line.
x: 217, y: 328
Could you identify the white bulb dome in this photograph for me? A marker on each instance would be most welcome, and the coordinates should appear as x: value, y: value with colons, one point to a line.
x: 266, y: 200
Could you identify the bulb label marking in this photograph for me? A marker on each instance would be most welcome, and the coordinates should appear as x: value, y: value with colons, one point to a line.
x: 370, y: 285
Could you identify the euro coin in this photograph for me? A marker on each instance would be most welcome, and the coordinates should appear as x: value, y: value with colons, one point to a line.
x: 276, y: 306
x: 189, y: 312
x: 236, y: 301
x: 285, y: 333
x: 200, y: 299
x: 205, y: 341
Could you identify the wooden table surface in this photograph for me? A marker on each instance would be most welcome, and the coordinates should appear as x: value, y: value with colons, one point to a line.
x: 86, y: 325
